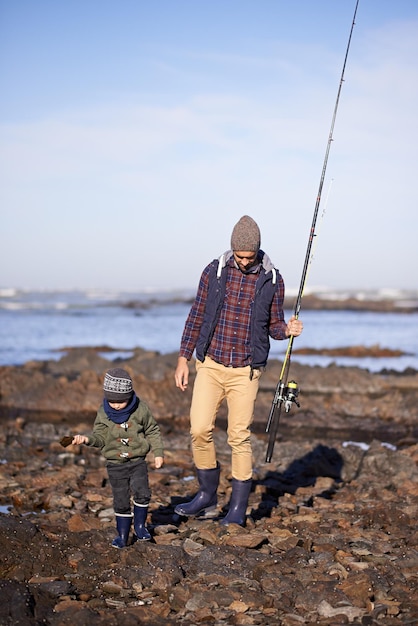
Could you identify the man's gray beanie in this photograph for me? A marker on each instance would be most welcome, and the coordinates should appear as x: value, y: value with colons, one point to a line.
x: 246, y: 235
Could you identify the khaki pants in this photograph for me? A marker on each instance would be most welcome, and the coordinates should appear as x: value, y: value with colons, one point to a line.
x: 214, y: 383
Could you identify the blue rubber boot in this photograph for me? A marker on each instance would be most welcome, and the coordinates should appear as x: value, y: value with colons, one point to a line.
x: 140, y: 518
x: 238, y: 504
x: 206, y: 498
x: 123, y: 526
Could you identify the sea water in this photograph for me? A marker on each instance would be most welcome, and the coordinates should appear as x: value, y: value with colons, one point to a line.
x: 37, y: 325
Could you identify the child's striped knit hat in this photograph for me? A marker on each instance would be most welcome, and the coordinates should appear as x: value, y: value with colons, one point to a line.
x: 117, y: 385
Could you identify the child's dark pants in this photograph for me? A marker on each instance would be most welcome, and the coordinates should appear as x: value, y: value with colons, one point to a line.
x: 126, y: 479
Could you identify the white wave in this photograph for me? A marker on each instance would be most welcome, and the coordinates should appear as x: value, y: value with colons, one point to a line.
x: 13, y: 306
x: 8, y: 292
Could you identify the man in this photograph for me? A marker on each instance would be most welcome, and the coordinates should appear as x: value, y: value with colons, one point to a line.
x: 238, y: 306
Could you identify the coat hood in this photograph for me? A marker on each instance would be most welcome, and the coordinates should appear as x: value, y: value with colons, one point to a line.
x: 266, y: 263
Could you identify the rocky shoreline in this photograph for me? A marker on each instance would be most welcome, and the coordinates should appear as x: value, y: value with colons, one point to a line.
x: 408, y: 303
x: 331, y: 534
x: 318, y: 302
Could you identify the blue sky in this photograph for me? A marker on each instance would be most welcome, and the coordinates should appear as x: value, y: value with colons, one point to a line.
x: 134, y: 134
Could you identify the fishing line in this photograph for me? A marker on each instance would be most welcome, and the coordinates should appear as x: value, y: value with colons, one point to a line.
x: 287, y: 393
x: 317, y: 233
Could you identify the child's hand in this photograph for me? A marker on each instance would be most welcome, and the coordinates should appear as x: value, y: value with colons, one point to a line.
x: 80, y: 439
x: 158, y: 462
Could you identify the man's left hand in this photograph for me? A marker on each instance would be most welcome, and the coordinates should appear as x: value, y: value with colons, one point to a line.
x: 294, y: 327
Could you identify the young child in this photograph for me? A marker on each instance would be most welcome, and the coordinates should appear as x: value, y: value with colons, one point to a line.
x: 125, y: 431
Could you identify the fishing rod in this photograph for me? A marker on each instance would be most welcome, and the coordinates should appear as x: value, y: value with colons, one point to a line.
x: 287, y: 392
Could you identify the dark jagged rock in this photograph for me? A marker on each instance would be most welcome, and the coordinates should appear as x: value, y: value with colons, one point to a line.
x: 314, y: 302
x: 375, y: 351
x: 350, y: 401
x: 331, y: 533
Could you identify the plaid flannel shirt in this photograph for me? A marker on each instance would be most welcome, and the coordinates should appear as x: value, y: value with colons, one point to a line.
x: 230, y: 344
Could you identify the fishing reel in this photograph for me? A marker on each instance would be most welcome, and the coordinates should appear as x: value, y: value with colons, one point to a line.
x: 289, y: 395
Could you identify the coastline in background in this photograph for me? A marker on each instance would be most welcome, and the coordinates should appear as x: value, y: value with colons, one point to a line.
x: 37, y: 325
